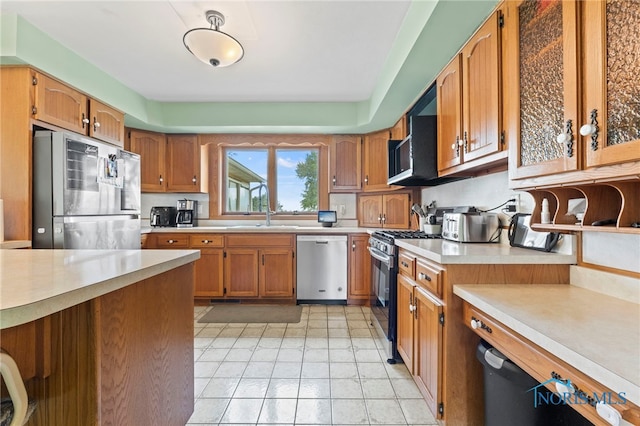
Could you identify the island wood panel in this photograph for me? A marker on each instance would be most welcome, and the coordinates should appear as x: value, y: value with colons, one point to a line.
x: 145, y: 344
x: 68, y: 395
x: 125, y: 358
x: 462, y: 391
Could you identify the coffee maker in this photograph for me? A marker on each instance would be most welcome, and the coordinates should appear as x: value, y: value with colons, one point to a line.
x: 186, y: 216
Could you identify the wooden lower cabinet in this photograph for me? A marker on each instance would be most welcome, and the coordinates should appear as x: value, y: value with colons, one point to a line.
x: 419, y: 339
x: 405, y: 320
x: 359, y: 264
x: 436, y: 345
x: 427, y: 361
x: 241, y: 272
x: 276, y: 272
x: 259, y: 266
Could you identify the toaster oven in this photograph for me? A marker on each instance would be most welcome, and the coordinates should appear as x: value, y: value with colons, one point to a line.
x: 471, y: 227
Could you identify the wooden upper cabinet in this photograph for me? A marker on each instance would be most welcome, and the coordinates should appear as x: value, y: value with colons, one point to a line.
x: 60, y: 105
x: 183, y: 163
x: 400, y: 130
x: 106, y: 123
x: 151, y: 147
x: 376, y: 161
x: 469, y: 99
x: 370, y: 211
x: 611, y: 68
x: 481, y: 91
x: 63, y: 106
x: 346, y: 163
x: 396, y: 211
x: 384, y: 211
x: 449, y: 100
x: 542, y: 92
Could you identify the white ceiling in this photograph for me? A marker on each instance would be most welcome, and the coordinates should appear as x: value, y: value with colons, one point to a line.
x: 295, y: 51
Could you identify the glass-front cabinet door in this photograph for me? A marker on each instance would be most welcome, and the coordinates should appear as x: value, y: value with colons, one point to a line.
x: 542, y: 99
x: 611, y: 49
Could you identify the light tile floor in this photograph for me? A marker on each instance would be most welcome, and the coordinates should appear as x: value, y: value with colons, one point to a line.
x: 325, y: 370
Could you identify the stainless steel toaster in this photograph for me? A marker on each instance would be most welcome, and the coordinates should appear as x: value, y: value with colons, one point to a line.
x: 471, y: 227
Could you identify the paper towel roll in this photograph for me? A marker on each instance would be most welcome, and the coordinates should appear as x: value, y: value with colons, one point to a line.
x: 1, y: 222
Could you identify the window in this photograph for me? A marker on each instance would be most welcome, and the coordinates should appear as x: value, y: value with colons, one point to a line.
x: 291, y: 175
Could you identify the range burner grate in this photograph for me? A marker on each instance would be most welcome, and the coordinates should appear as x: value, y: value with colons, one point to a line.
x: 408, y: 234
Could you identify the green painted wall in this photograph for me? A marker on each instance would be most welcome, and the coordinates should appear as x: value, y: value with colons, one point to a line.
x: 431, y: 34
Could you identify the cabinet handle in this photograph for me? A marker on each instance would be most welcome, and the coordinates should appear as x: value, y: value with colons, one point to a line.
x: 424, y: 276
x: 478, y: 324
x: 466, y: 143
x: 566, y: 138
x: 333, y: 180
x: 96, y: 124
x: 384, y: 218
x: 161, y: 180
x: 205, y: 241
x: 405, y: 264
x: 410, y: 302
x: 592, y: 129
x: 85, y: 120
x: 172, y: 241
x: 379, y: 218
x: 353, y: 247
x: 366, y: 179
x: 194, y: 180
x: 457, y: 145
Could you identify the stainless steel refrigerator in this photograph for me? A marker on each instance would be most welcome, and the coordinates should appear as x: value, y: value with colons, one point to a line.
x: 86, y: 193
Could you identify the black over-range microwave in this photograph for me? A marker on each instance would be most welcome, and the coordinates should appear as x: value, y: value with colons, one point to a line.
x: 413, y: 161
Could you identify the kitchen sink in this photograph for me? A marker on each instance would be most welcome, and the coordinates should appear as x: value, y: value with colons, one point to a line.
x: 261, y: 226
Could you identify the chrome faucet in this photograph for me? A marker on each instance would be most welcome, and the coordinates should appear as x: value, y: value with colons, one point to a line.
x: 268, y: 212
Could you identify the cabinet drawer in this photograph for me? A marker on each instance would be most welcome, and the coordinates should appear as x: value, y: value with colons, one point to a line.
x: 172, y: 241
x: 253, y: 240
x: 406, y: 265
x: 206, y: 240
x: 429, y: 278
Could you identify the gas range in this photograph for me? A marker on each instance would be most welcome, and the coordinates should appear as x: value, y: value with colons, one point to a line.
x: 384, y: 241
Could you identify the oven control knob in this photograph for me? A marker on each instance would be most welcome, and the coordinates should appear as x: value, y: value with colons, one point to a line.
x: 384, y: 248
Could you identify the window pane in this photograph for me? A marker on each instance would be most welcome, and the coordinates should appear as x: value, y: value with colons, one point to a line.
x: 246, y: 170
x: 297, y: 183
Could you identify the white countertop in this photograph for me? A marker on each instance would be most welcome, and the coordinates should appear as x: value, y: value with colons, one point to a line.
x: 451, y: 252
x: 244, y: 229
x: 37, y: 283
x: 595, y: 333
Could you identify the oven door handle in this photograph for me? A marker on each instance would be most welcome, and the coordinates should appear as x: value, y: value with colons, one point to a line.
x: 386, y: 259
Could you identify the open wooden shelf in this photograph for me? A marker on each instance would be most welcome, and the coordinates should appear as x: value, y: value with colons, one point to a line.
x: 618, y: 200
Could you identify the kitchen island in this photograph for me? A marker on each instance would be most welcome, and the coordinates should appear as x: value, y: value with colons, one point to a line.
x: 101, y: 336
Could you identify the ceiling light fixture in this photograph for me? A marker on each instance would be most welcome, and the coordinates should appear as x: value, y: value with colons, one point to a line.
x: 211, y: 45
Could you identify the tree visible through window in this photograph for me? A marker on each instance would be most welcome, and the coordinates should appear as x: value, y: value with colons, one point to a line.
x: 295, y: 189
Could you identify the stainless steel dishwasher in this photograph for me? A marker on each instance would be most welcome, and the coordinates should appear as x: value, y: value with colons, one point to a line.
x: 322, y: 268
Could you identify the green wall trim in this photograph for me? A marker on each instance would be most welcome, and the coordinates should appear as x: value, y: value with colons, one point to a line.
x: 432, y: 33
